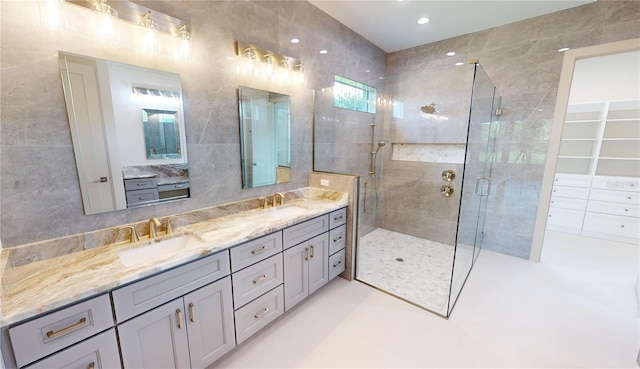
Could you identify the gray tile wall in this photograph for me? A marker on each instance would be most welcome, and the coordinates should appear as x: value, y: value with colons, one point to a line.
x: 522, y: 60
x: 40, y: 195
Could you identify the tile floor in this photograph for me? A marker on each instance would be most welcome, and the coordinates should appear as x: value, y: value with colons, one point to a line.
x: 577, y: 308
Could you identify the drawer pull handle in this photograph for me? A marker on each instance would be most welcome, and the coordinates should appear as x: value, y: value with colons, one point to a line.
x: 259, y: 251
x: 258, y: 316
x: 306, y: 253
x: 311, y: 247
x: 337, y: 218
x: 73, y: 327
x: 141, y: 184
x: 337, y: 263
x: 91, y: 366
x: 192, y: 311
x: 337, y: 239
x: 179, y: 317
x: 256, y: 281
x: 143, y: 197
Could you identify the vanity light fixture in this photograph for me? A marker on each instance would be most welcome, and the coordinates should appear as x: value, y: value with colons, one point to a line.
x: 147, y: 22
x: 182, y: 33
x: 265, y: 63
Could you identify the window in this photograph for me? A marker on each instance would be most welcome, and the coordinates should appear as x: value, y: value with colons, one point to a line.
x: 349, y: 94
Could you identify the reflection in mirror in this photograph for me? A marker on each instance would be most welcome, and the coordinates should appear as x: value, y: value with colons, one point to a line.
x: 264, y: 137
x: 122, y: 163
x: 161, y: 133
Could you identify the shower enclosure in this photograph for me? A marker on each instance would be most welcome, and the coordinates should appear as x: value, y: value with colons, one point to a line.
x: 424, y: 160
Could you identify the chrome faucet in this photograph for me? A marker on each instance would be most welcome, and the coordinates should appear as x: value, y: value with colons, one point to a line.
x: 275, y: 199
x: 134, y: 235
x: 153, y: 223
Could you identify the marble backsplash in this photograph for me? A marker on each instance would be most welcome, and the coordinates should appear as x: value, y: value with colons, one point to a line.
x: 38, y: 251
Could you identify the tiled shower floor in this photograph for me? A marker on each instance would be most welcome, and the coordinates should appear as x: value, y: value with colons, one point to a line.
x: 424, y: 275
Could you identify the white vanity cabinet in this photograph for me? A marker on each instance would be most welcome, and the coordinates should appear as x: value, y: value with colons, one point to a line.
x: 191, y: 331
x: 305, y: 269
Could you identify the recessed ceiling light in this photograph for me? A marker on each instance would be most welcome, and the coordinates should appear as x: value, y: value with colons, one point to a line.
x: 459, y: 63
x: 323, y: 51
x: 381, y: 77
x: 367, y: 71
x: 563, y: 49
x: 423, y: 20
x: 451, y: 53
x: 294, y: 40
x: 229, y: 57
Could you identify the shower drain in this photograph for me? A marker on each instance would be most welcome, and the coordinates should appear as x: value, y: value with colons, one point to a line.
x: 399, y: 259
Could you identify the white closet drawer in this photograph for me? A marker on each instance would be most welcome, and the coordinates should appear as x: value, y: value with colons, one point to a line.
x: 257, y: 279
x: 572, y: 180
x: 149, y: 293
x: 616, y: 183
x: 306, y: 230
x: 612, y: 224
x: 336, y: 264
x: 565, y: 218
x: 258, y: 313
x: 614, y: 208
x: 52, y: 332
x: 571, y: 192
x: 97, y: 352
x: 337, y: 218
x: 624, y: 197
x: 568, y: 203
x: 337, y: 238
x: 255, y: 250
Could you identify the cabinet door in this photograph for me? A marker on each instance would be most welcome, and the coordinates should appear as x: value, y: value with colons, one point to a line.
x: 318, y: 262
x: 156, y: 339
x: 209, y: 318
x: 296, y: 274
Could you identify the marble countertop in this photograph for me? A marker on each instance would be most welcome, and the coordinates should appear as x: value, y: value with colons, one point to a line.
x: 38, y: 287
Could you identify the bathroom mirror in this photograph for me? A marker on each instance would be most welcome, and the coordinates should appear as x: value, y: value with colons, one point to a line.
x: 265, y: 137
x: 161, y: 133
x: 127, y: 129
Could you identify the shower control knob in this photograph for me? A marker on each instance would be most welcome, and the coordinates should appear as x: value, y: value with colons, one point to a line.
x: 446, y: 190
x: 448, y: 175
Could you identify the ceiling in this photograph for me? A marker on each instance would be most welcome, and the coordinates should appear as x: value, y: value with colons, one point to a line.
x: 392, y: 24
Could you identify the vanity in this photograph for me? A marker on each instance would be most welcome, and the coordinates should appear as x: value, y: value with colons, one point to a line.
x: 183, y: 299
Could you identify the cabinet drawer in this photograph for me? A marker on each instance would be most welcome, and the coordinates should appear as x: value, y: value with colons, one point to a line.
x: 173, y: 186
x: 144, y: 295
x: 612, y: 224
x: 257, y: 279
x: 614, y: 208
x: 255, y: 250
x: 572, y: 180
x: 258, y: 313
x: 337, y: 218
x: 568, y: 203
x: 139, y: 184
x: 572, y: 192
x: 337, y: 238
x: 97, y: 352
x: 616, y: 183
x: 336, y: 264
x: 139, y: 197
x: 565, y: 218
x: 52, y: 332
x: 624, y: 197
x: 304, y: 231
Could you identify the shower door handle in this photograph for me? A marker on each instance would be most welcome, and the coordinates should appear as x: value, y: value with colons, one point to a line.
x: 478, y: 181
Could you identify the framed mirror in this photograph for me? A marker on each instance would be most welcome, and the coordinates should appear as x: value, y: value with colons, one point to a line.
x: 127, y: 129
x: 265, y: 137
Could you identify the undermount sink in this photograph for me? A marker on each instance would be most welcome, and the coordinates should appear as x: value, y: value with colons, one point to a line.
x: 157, y: 250
x: 286, y: 211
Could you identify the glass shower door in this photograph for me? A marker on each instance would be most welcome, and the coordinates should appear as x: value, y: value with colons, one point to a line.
x: 476, y: 181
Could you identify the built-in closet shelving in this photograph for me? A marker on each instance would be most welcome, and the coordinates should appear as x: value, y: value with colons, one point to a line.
x: 597, y: 185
